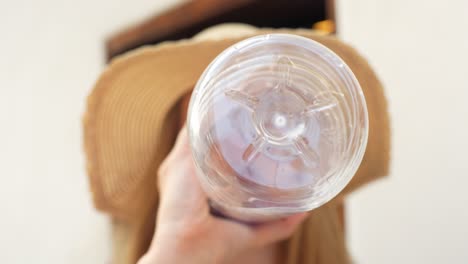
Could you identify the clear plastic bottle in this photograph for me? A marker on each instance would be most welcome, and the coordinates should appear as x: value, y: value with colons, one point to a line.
x: 278, y: 125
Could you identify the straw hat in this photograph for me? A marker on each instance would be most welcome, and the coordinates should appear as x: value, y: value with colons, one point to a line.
x: 132, y: 119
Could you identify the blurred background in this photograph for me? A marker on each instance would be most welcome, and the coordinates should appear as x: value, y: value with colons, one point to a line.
x: 51, y: 52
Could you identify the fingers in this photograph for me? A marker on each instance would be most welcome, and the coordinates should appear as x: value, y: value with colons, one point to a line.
x: 182, y: 143
x: 277, y: 230
x: 181, y: 147
x: 180, y: 193
x: 179, y: 154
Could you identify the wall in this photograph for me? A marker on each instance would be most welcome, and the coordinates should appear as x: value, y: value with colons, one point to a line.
x: 420, y: 50
x: 51, y: 52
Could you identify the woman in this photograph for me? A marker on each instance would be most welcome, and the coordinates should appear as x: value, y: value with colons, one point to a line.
x: 160, y: 214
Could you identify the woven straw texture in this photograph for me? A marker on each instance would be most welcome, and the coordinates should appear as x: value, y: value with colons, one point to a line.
x: 132, y: 119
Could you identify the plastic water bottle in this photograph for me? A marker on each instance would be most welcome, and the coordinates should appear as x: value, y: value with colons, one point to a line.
x: 278, y: 125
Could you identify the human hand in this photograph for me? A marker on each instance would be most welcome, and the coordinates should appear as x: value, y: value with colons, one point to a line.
x: 186, y: 232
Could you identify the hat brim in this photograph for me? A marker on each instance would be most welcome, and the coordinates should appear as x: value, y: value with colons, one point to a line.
x: 129, y: 123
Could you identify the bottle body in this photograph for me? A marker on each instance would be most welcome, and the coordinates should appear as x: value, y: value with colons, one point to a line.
x: 277, y: 125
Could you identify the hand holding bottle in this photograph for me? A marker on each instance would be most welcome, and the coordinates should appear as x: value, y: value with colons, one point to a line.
x: 186, y: 232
